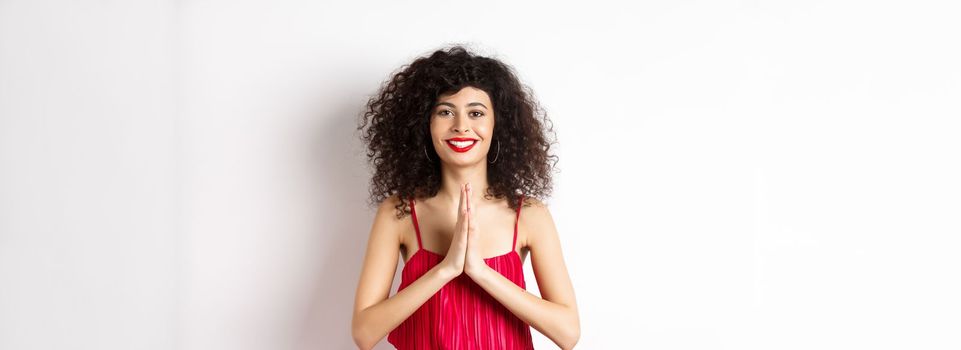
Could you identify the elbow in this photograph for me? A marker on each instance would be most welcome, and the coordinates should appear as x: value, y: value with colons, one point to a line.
x: 361, y: 339
x: 362, y: 345
x: 570, y: 335
x: 570, y: 339
x: 362, y: 342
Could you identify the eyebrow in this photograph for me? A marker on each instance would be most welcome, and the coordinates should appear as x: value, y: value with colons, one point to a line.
x: 468, y: 105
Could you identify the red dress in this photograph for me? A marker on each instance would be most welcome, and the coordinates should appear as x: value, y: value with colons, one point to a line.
x: 462, y: 315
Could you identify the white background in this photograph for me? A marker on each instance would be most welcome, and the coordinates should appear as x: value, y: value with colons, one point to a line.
x: 733, y: 174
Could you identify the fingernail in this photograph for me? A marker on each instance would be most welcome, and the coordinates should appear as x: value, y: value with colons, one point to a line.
x: 468, y: 186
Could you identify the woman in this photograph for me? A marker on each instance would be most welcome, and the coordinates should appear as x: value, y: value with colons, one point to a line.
x: 459, y: 148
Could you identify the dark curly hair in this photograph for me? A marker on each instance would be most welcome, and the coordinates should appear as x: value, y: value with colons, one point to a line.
x: 395, y: 127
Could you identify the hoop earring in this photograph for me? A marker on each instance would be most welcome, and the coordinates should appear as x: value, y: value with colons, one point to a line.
x: 425, y: 153
x: 498, y: 152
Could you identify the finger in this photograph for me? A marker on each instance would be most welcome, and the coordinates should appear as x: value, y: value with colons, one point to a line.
x: 471, y: 223
x: 469, y: 193
x: 471, y: 212
x: 461, y: 206
x: 467, y: 210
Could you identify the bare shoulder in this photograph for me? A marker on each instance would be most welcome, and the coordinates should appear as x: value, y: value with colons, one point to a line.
x: 536, y: 219
x: 386, y: 219
x: 534, y: 202
x: 389, y: 205
x: 535, y: 210
x: 389, y: 208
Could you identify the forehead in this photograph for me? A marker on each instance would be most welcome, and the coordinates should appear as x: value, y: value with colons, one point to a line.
x: 466, y: 95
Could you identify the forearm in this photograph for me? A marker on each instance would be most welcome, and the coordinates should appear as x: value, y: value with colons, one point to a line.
x: 556, y: 321
x: 371, y: 324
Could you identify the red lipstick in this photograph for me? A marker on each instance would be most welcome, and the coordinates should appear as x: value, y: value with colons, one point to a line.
x: 463, y: 146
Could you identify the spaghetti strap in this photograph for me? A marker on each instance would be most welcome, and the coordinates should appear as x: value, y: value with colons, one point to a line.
x: 413, y: 214
x: 520, y: 203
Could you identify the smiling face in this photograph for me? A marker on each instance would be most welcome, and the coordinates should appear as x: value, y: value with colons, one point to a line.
x: 461, y: 126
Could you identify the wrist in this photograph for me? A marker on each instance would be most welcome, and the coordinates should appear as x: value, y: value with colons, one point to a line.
x: 477, y: 271
x: 446, y: 272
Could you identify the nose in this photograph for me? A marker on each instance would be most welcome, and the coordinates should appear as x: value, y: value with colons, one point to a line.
x: 460, y: 124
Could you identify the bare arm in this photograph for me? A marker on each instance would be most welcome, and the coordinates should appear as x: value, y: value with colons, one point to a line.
x: 375, y: 314
x: 556, y: 314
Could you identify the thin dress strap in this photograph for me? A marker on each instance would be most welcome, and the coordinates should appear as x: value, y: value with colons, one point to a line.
x: 413, y: 214
x: 520, y: 203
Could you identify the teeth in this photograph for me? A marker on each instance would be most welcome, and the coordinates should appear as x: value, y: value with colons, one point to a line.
x: 461, y: 144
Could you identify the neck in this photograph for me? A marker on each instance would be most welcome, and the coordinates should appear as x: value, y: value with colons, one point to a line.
x: 453, y: 178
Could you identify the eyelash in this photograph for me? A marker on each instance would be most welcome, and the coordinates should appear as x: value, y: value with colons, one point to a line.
x: 481, y: 114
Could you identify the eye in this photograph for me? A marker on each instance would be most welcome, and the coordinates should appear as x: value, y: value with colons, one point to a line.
x: 479, y: 114
x: 444, y: 112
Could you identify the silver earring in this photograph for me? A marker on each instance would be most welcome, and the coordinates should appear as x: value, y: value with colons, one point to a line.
x: 498, y: 152
x: 425, y: 153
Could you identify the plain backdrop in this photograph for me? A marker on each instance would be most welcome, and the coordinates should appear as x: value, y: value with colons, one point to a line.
x: 733, y: 174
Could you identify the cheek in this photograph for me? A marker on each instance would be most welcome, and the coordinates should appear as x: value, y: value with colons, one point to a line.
x: 487, y: 131
x: 436, y: 131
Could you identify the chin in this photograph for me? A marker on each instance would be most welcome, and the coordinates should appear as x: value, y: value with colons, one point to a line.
x: 456, y: 161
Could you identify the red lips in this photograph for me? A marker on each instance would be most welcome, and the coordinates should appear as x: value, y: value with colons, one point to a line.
x: 461, y: 149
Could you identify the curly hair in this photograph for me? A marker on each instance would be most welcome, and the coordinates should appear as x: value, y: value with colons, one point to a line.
x: 395, y: 127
